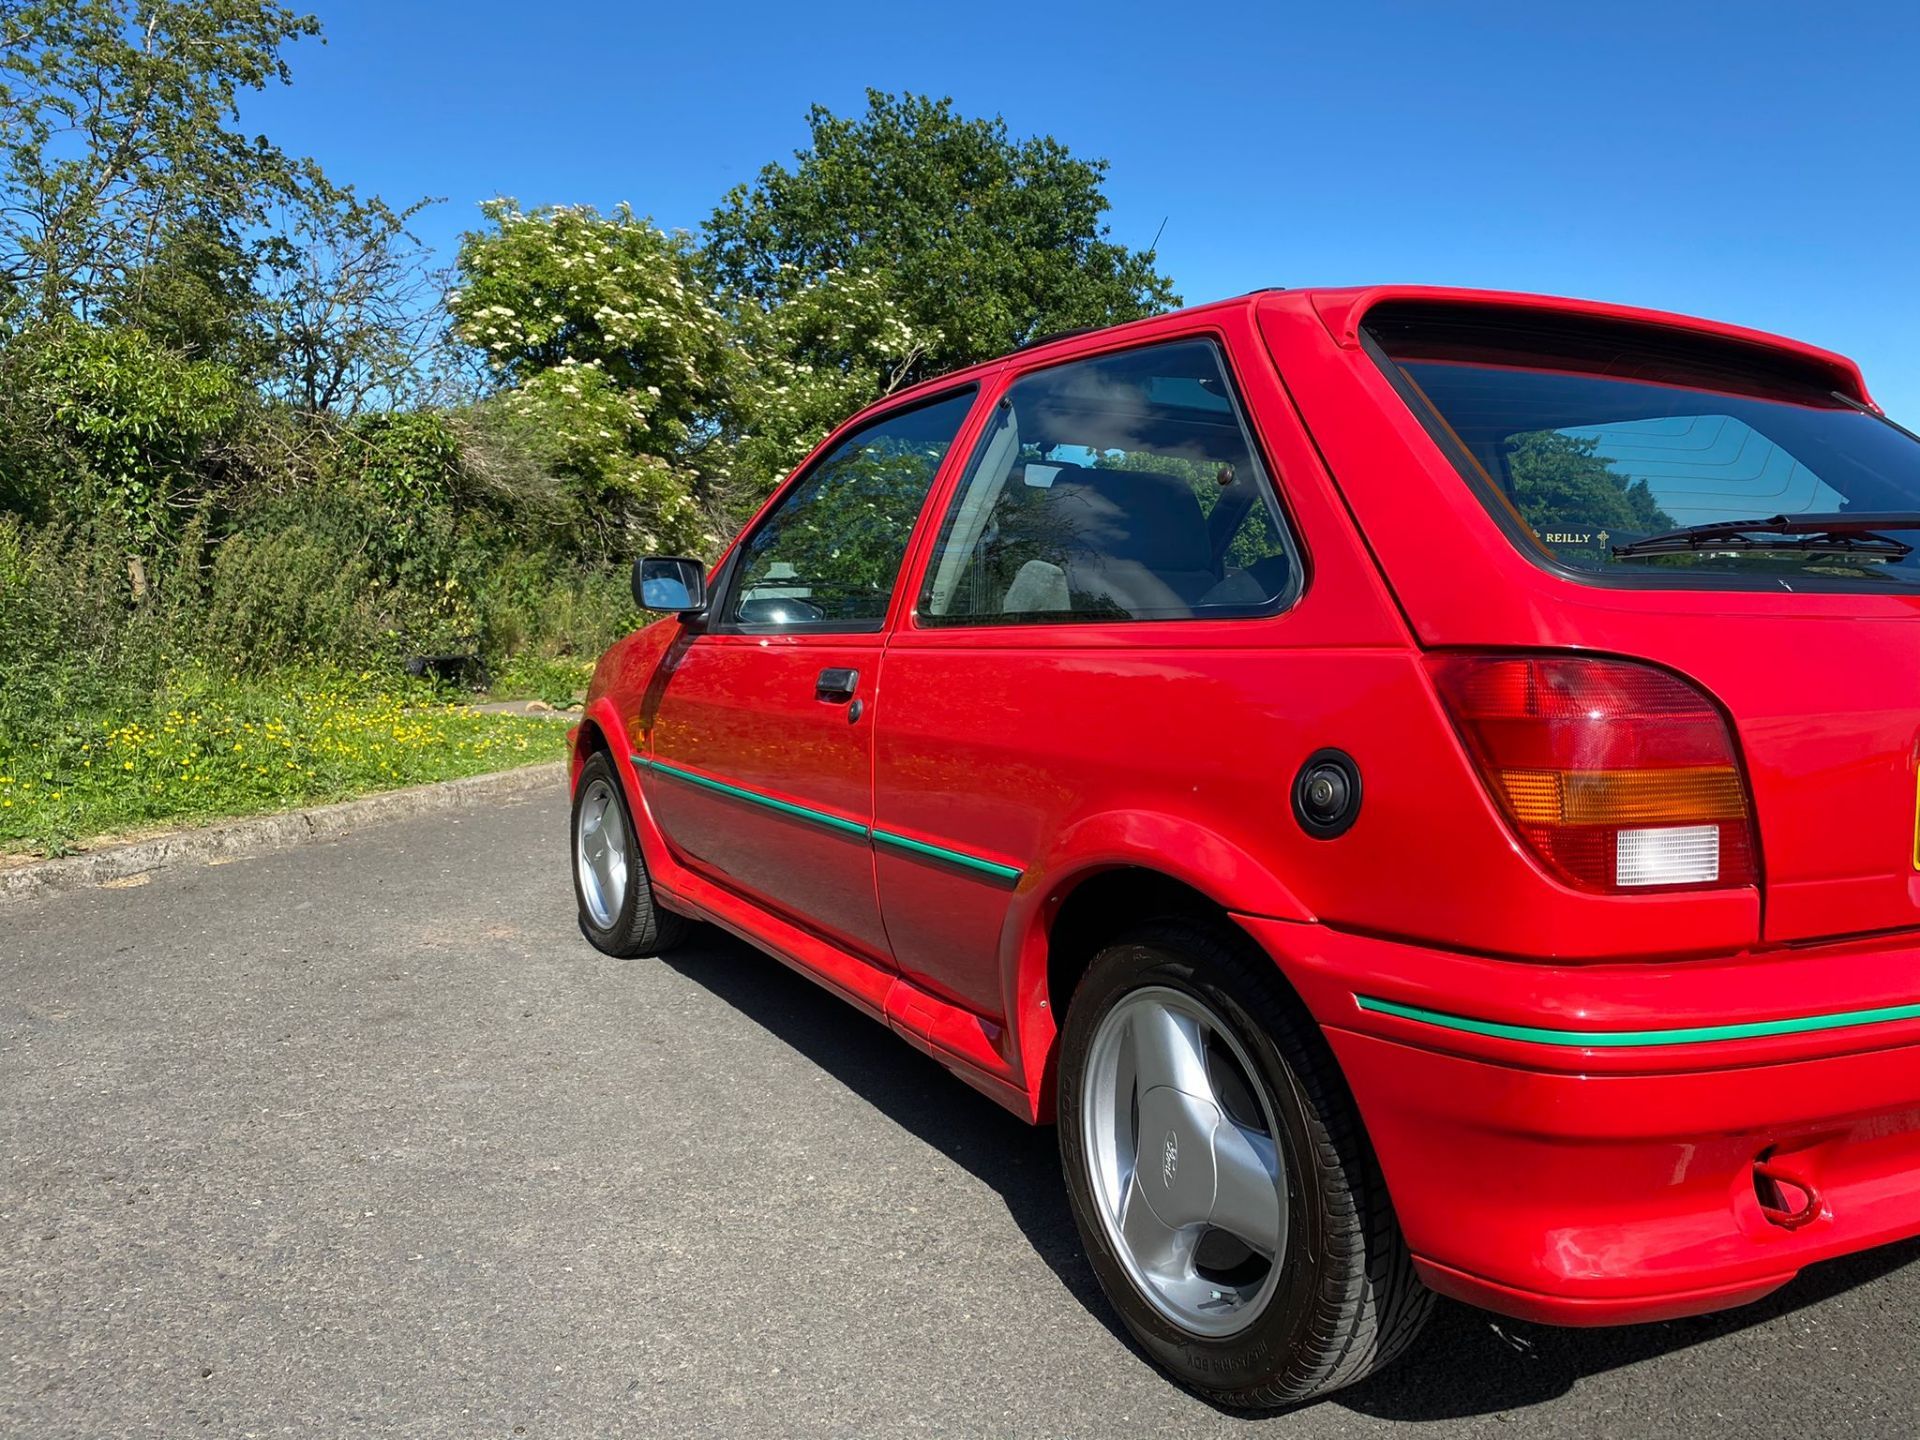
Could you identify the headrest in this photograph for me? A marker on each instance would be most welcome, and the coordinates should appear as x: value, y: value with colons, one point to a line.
x: 1138, y: 515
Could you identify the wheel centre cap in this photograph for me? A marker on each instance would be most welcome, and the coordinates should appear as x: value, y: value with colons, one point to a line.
x: 1174, y: 1167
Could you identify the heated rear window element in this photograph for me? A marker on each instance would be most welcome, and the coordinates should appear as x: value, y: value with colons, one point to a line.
x: 1609, y: 451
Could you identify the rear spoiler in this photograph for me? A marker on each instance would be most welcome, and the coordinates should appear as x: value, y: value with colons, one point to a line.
x: 1344, y: 313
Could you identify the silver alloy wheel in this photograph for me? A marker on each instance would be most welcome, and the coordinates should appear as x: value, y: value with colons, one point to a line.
x: 1180, y: 1145
x: 600, y: 854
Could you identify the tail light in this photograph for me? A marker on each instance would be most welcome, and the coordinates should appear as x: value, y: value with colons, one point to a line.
x: 1618, y: 776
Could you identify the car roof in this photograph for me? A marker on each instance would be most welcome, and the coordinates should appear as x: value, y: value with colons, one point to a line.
x: 1342, y: 309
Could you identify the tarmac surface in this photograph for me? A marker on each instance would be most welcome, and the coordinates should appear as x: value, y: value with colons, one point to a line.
x: 361, y: 1138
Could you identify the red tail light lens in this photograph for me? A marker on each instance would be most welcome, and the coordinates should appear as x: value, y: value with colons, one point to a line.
x: 1618, y: 776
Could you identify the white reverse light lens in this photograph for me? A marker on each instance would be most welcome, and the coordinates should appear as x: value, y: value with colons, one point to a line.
x: 1672, y: 855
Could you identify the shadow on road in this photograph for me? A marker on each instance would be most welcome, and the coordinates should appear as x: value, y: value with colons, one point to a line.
x: 1018, y: 1160
x: 1467, y: 1363
x: 1471, y: 1363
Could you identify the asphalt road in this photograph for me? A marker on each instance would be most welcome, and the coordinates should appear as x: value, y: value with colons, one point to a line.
x: 362, y: 1138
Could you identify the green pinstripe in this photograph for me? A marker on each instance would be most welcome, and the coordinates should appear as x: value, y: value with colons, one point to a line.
x: 721, y: 787
x: 974, y: 863
x: 991, y: 869
x: 1617, y: 1039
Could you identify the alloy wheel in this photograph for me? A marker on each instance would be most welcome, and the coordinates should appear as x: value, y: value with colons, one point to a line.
x: 1182, y: 1152
x: 600, y: 854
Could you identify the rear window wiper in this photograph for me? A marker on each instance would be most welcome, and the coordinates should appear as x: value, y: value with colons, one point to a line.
x: 1854, y: 534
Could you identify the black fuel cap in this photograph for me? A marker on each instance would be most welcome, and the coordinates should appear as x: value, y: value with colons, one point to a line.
x: 1326, y: 794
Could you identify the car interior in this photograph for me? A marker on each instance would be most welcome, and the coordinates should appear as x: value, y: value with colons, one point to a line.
x: 1129, y: 494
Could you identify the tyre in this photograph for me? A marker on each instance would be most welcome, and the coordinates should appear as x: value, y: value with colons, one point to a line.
x: 1224, y: 1189
x: 617, y: 910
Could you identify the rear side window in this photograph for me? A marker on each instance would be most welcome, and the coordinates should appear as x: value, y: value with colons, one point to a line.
x: 1611, y: 452
x: 1124, y: 487
x: 827, y: 556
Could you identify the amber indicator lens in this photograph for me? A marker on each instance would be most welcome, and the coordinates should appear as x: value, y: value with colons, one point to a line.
x: 1618, y: 776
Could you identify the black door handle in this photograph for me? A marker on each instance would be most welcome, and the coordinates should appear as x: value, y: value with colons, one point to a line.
x: 836, y: 687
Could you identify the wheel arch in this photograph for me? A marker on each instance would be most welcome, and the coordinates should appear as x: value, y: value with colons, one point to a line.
x: 584, y: 741
x: 595, y: 734
x: 1109, y: 874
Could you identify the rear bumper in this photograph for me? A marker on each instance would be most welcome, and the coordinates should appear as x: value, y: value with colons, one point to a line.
x: 1577, y: 1145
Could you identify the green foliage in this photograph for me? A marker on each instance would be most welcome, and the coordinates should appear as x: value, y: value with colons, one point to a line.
x: 555, y: 681
x: 594, y: 435
x: 118, y: 127
x: 207, y: 744
x: 570, y: 284
x: 228, y: 686
x: 408, y: 461
x: 983, y: 241
x: 195, y: 296
x: 541, y: 608
x: 400, y: 478
x: 127, y: 193
x: 290, y: 592
x: 135, y: 420
x: 672, y: 387
x: 829, y: 350
x: 70, y: 640
x: 1563, y: 486
x: 612, y: 360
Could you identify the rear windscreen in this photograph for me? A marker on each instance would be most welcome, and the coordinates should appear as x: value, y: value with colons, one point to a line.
x: 1616, y: 451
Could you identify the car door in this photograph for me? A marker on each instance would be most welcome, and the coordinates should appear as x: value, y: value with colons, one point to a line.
x: 760, y: 767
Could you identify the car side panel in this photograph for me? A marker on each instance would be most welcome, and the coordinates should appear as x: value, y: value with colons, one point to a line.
x: 995, y: 743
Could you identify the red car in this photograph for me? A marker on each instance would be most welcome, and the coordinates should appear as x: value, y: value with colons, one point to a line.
x: 1418, y: 785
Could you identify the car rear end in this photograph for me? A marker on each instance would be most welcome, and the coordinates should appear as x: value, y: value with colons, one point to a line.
x: 1664, y: 580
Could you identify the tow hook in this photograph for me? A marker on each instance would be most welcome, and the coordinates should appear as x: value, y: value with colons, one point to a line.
x: 1787, y: 1199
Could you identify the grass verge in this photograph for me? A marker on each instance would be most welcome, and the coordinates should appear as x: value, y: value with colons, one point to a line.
x: 559, y: 682
x: 210, y: 747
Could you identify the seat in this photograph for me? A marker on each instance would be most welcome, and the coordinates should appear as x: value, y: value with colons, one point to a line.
x: 1128, y: 541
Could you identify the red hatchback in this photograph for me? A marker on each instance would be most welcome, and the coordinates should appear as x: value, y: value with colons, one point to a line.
x: 1419, y: 785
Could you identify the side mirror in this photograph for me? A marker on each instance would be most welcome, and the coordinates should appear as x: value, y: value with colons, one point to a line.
x: 672, y: 584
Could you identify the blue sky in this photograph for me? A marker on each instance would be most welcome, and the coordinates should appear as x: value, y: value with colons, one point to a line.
x: 1753, y: 162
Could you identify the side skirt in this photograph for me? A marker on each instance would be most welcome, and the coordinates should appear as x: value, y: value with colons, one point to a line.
x: 972, y: 1047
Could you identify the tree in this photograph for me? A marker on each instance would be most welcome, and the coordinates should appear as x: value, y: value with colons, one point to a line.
x: 612, y: 360
x: 350, y: 302
x: 195, y: 296
x: 828, y: 350
x: 117, y: 131
x: 114, y: 425
x: 1564, y: 486
x: 983, y: 242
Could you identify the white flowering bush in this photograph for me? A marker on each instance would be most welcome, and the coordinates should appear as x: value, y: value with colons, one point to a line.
x: 666, y: 411
x: 831, y: 348
x: 612, y: 359
x: 598, y: 433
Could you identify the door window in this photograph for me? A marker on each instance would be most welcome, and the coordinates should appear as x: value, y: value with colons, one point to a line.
x: 827, y: 556
x: 1123, y: 487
